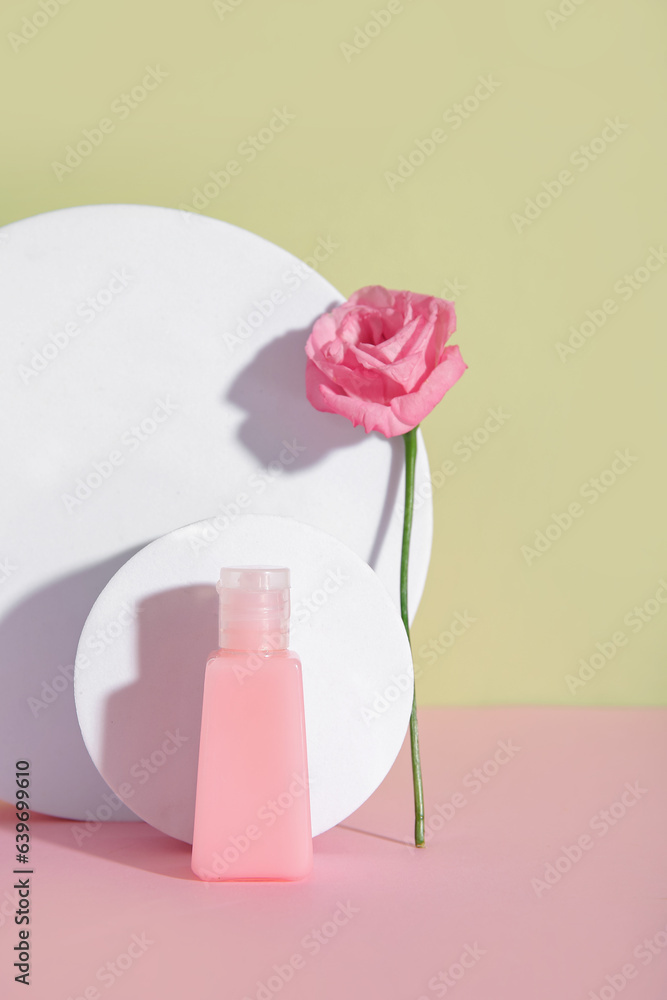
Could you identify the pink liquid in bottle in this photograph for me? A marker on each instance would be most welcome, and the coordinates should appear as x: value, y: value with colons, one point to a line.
x: 252, y: 812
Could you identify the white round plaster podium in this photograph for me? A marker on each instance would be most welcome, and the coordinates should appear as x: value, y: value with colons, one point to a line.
x: 139, y: 700
x: 152, y: 375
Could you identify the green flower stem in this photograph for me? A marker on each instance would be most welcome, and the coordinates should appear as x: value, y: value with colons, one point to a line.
x: 410, y: 457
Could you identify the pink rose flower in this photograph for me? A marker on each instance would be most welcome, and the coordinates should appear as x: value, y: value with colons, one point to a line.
x: 381, y: 359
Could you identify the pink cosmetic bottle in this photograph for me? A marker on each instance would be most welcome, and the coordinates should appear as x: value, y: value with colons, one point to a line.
x: 252, y: 812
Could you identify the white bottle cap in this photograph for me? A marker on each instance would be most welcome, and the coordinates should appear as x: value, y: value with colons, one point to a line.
x: 254, y: 607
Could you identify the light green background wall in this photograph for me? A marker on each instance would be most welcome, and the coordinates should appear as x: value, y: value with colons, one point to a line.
x: 447, y: 229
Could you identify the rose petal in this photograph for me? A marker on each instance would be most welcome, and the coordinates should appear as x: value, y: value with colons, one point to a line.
x: 390, y: 348
x: 413, y: 407
x: 375, y: 296
x: 323, y: 332
x: 373, y: 416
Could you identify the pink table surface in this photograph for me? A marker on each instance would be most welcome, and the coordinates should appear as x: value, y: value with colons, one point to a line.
x: 544, y: 878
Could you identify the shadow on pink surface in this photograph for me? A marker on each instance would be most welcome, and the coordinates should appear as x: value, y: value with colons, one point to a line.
x: 544, y: 877
x: 138, y: 845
